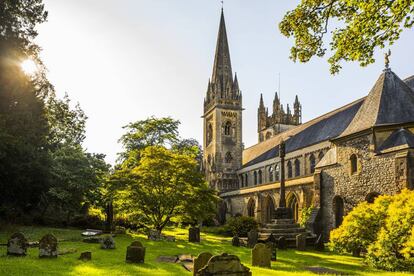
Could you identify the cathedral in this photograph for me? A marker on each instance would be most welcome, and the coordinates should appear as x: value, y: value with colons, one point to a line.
x: 330, y: 164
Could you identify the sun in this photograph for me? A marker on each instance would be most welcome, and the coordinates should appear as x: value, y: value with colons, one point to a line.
x: 29, y: 67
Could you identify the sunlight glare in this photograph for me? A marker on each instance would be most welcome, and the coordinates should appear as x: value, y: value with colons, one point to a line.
x: 28, y: 66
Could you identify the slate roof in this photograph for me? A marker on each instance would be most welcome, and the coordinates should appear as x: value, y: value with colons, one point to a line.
x: 398, y: 138
x: 317, y: 131
x: 410, y: 82
x: 389, y: 102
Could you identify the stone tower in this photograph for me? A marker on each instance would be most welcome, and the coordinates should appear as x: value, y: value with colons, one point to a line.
x: 222, y: 142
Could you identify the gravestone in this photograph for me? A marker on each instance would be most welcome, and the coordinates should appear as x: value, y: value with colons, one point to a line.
x: 85, y: 256
x: 235, y: 241
x: 261, y: 255
x: 48, y: 247
x: 319, y: 245
x: 273, y: 249
x: 194, y: 234
x: 201, y: 261
x: 92, y: 240
x: 154, y: 235
x: 107, y: 242
x: 252, y: 238
x: 135, y: 253
x: 301, y: 242
x: 271, y: 239
x: 17, y: 245
x: 282, y: 243
x: 224, y: 264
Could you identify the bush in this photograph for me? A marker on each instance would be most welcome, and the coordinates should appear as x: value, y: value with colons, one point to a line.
x: 305, y: 215
x: 240, y: 226
x: 88, y: 221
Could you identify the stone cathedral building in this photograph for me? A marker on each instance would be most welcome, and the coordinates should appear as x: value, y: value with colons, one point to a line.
x: 333, y: 162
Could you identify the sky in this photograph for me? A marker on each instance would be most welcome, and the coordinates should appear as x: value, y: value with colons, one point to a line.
x: 127, y: 60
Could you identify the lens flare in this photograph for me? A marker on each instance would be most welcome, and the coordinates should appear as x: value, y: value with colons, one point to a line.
x: 29, y: 67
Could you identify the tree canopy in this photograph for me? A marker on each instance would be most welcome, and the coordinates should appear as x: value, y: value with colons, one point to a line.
x: 360, y: 27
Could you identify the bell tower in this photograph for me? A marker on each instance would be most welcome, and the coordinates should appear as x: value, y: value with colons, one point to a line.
x: 222, y: 142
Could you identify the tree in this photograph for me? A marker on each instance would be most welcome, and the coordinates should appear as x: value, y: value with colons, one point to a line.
x: 163, y: 186
x: 361, y: 27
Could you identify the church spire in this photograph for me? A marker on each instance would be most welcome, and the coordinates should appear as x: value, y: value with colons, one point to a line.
x: 222, y: 72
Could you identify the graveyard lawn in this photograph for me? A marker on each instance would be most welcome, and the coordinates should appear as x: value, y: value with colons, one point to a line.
x: 112, y: 261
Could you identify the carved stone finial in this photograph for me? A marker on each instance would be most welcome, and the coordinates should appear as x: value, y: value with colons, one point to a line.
x: 387, y: 59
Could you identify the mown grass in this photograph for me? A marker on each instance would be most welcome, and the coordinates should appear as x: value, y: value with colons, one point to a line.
x: 112, y: 262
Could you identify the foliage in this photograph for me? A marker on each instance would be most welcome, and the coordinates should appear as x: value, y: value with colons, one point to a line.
x: 241, y: 225
x: 383, y: 228
x: 305, y: 215
x: 361, y: 27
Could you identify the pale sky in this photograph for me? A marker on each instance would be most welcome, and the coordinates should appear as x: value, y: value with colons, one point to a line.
x: 126, y: 60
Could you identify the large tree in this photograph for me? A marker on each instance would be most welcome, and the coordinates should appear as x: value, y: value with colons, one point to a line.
x: 360, y: 27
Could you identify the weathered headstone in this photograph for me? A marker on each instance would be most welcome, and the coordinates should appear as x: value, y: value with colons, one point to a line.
x: 154, y: 235
x: 282, y: 243
x: 261, y: 255
x: 252, y: 238
x: 319, y: 245
x: 17, y: 245
x: 92, y: 240
x: 86, y: 256
x: 201, y: 261
x: 194, y: 234
x: 107, y: 242
x: 301, y: 242
x: 271, y: 239
x: 235, y: 241
x: 135, y: 253
x: 224, y: 264
x: 48, y: 246
x: 273, y: 249
x: 167, y: 259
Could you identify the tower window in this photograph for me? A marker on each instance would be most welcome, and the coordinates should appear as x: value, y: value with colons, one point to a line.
x: 228, y: 157
x: 312, y: 163
x: 268, y: 135
x: 209, y: 133
x: 354, y: 163
x: 227, y: 128
x: 297, y: 167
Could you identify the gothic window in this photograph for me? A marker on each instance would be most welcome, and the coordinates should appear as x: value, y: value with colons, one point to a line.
x: 260, y: 177
x: 228, y: 157
x: 227, y: 128
x: 255, y: 178
x: 312, y: 163
x: 246, y: 180
x: 270, y: 174
x: 354, y: 163
x: 289, y: 169
x: 277, y: 172
x: 320, y: 156
x: 241, y: 180
x: 268, y: 135
x: 209, y: 133
x: 297, y: 167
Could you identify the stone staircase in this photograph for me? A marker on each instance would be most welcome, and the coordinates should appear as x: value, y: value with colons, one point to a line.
x: 287, y: 228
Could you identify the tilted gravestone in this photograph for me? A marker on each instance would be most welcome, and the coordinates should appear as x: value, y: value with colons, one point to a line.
x: 86, y: 256
x: 273, y: 249
x: 135, y: 253
x: 252, y: 238
x: 301, y: 242
x: 194, y: 234
x: 282, y: 243
x: 107, y: 242
x: 48, y: 247
x: 319, y: 245
x: 261, y: 255
x: 201, y: 261
x: 235, y: 241
x: 17, y: 245
x: 224, y: 264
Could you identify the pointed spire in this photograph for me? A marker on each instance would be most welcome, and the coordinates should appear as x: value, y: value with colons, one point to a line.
x: 222, y: 64
x: 261, y: 103
x: 296, y: 101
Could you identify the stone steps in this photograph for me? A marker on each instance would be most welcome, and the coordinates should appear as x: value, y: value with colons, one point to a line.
x: 297, y: 230
x: 283, y: 221
x: 281, y: 226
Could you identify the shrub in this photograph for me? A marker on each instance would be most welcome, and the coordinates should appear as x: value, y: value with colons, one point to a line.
x: 305, y: 215
x: 240, y: 226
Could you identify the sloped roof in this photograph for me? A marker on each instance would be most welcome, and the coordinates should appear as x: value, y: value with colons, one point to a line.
x: 398, y: 138
x: 390, y: 101
x: 410, y: 82
x: 321, y: 129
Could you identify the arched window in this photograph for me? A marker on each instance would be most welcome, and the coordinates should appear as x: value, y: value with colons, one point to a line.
x: 209, y: 134
x: 277, y: 172
x: 227, y: 128
x: 297, y: 167
x: 255, y: 178
x: 354, y: 163
x: 270, y: 174
x: 320, y: 155
x: 289, y: 169
x: 251, y: 206
x: 293, y: 204
x: 241, y: 180
x: 246, y: 180
x: 228, y: 157
x: 260, y: 177
x: 338, y: 206
x: 268, y: 135
x: 312, y: 163
x: 269, y: 209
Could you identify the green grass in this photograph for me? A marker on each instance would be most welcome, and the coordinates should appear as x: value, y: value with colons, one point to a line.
x: 112, y: 262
